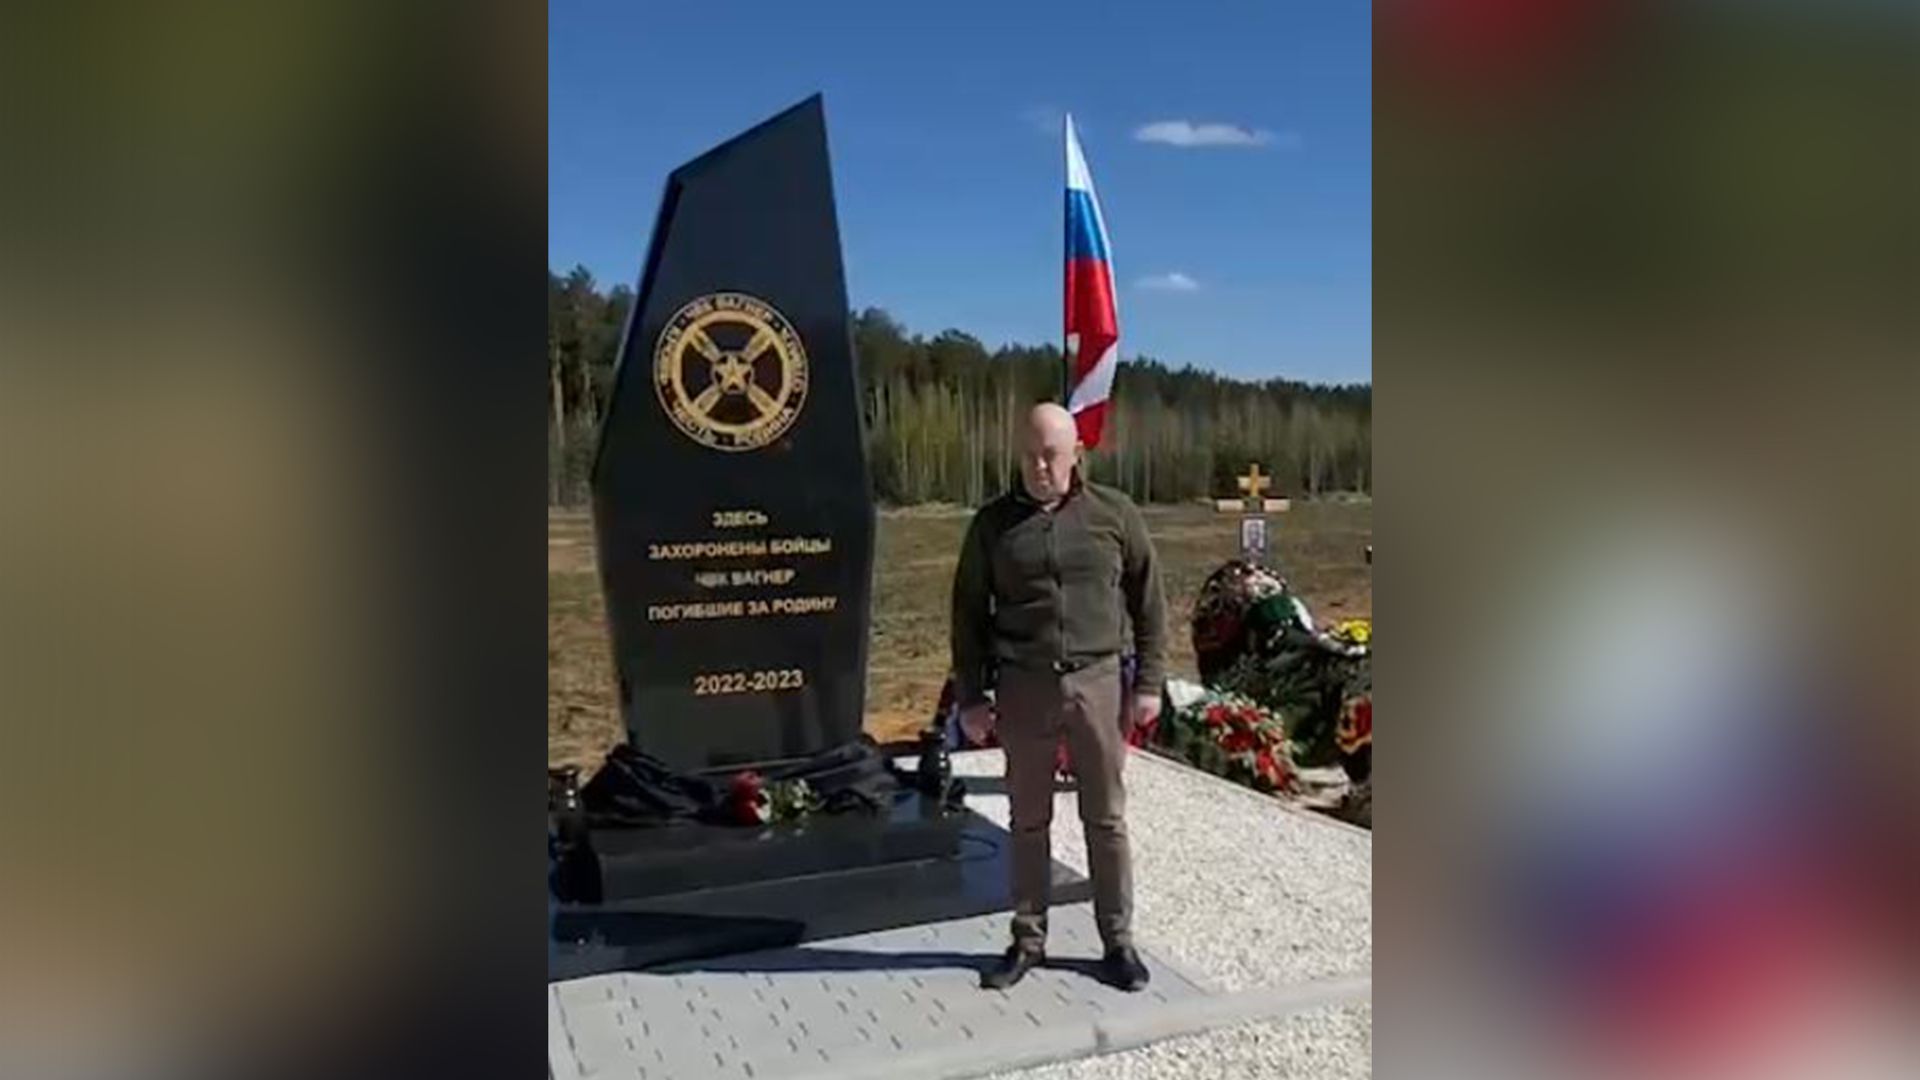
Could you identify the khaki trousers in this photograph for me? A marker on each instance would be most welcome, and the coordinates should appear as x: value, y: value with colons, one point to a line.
x: 1035, y: 709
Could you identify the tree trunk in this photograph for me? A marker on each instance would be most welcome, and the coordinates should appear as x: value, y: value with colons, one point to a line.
x: 589, y: 415
x: 1146, y: 486
x: 557, y: 469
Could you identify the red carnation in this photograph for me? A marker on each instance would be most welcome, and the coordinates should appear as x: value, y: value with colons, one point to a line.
x: 746, y: 798
x: 1269, y: 767
x: 1356, y: 725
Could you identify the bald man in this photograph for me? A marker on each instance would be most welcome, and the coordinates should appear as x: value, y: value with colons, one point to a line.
x: 1051, y: 576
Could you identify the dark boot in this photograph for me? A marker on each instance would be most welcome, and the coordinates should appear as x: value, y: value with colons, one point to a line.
x: 1122, y: 968
x: 1011, y: 967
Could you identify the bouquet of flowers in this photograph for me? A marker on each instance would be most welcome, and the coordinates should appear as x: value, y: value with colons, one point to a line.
x: 1256, y: 641
x: 1239, y: 605
x: 752, y: 800
x: 1307, y: 679
x: 1358, y: 632
x: 1232, y: 736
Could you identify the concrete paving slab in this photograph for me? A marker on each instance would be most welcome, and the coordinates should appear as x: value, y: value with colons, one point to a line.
x: 906, y: 1001
x: 1255, y: 918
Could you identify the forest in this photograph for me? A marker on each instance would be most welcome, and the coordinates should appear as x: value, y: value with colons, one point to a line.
x: 942, y: 413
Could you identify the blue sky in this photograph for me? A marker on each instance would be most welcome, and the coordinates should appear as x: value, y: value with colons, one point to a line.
x: 943, y: 122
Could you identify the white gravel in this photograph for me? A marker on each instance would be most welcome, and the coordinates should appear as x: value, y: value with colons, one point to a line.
x: 1242, y: 892
x: 1229, y: 885
x: 1319, y: 1044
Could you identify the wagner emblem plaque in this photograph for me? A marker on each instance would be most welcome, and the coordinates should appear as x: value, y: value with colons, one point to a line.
x: 730, y: 371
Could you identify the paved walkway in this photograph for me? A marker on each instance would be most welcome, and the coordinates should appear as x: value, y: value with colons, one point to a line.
x: 1255, y: 919
x: 903, y: 1002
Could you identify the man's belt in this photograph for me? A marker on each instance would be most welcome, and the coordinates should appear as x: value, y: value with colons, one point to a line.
x: 1060, y: 667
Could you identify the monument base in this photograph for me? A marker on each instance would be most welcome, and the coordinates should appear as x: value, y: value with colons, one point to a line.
x: 675, y: 898
x: 639, y: 863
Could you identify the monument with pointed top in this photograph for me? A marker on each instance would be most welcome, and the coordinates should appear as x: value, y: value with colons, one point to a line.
x: 732, y: 504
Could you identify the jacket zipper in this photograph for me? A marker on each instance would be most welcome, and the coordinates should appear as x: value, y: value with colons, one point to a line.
x: 1059, y: 592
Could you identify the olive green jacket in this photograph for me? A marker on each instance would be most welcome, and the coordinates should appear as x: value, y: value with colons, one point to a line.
x: 1056, y: 590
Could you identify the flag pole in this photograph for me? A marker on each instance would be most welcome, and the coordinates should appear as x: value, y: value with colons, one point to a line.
x: 1066, y: 223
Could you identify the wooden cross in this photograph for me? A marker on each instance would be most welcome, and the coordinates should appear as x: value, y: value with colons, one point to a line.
x: 1253, y: 527
x: 1253, y: 484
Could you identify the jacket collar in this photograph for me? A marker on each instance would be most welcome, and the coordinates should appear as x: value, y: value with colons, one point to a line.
x: 1020, y: 491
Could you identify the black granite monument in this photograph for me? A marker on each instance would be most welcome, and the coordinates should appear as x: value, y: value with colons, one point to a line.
x: 731, y: 498
x: 735, y: 529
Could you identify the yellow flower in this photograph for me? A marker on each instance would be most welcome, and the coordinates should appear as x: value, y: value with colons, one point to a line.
x: 1358, y: 631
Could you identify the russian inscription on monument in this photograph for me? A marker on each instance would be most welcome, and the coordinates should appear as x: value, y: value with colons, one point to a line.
x: 731, y: 498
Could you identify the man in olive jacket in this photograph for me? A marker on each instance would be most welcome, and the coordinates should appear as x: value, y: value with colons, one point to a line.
x: 1051, y: 577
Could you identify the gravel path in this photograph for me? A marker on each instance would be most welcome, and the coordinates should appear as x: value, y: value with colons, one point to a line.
x: 1319, y: 1044
x: 1228, y: 884
x: 1242, y: 892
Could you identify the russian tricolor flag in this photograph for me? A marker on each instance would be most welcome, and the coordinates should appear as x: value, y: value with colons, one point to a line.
x: 1093, y: 319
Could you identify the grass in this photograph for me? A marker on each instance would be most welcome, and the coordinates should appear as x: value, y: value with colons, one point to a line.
x: 1319, y: 545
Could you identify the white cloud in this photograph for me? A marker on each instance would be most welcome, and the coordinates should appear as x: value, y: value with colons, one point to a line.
x: 1186, y: 133
x: 1173, y: 282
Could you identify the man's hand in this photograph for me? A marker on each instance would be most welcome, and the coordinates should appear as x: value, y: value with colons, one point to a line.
x: 1146, y: 709
x: 976, y: 723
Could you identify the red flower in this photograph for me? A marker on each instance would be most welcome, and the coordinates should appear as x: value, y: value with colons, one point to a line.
x: 1237, y: 741
x: 1356, y: 725
x: 1216, y: 715
x: 1269, y: 767
x: 746, y: 798
x: 1142, y: 734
